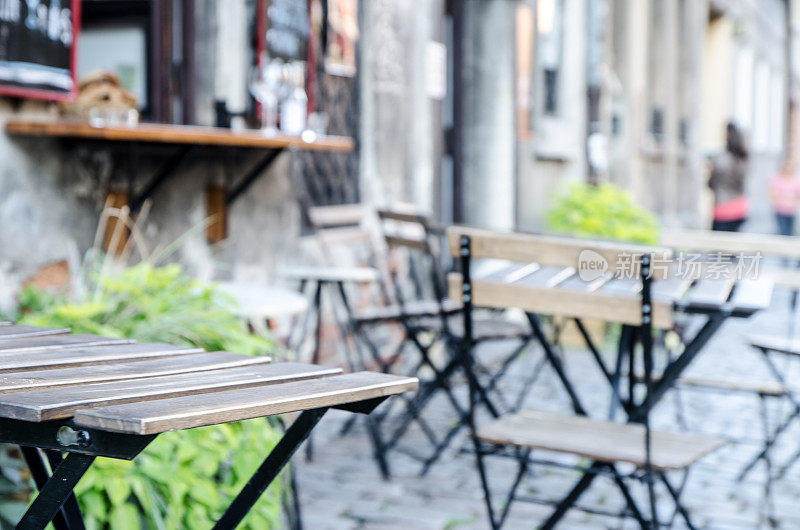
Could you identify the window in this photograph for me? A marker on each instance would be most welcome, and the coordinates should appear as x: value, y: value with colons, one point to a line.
x: 550, y: 31
x: 524, y: 69
x: 134, y: 40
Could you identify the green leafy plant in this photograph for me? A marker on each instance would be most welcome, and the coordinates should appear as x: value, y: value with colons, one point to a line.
x: 602, y: 210
x: 183, y: 479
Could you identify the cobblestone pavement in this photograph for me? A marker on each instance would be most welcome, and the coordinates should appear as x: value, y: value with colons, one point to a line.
x: 342, y: 489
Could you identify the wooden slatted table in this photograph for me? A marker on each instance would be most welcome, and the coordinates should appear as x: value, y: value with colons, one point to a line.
x: 544, y: 280
x: 91, y: 396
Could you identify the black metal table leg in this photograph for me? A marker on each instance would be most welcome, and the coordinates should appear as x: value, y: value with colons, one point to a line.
x: 55, y: 492
x: 33, y: 458
x: 71, y: 509
x: 269, y: 469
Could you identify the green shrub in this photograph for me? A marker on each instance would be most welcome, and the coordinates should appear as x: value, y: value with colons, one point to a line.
x: 183, y: 479
x: 603, y: 211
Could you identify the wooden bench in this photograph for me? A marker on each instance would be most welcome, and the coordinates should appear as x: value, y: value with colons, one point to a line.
x: 90, y: 396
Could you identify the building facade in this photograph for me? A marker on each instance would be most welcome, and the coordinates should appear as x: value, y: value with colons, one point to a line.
x: 477, y: 111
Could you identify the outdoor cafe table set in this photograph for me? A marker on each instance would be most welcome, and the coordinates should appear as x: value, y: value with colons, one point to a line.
x: 541, y: 279
x: 87, y: 396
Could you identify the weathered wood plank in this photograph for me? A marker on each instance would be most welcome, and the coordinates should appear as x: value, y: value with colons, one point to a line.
x: 331, y: 274
x: 623, y: 287
x: 563, y: 302
x: 752, y: 294
x: 575, y: 283
x: 20, y: 332
x: 118, y: 371
x: 598, y: 440
x: 56, y: 342
x: 504, y: 271
x: 778, y: 343
x: 767, y: 388
x: 732, y: 242
x: 150, y: 417
x: 550, y: 250
x: 408, y: 242
x: 176, y: 134
x: 789, y: 278
x: 54, y: 403
x: 33, y: 360
x: 337, y: 215
x: 548, y: 276
x: 711, y: 292
x: 671, y: 289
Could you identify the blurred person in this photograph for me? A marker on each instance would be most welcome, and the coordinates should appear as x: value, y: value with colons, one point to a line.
x: 784, y: 194
x: 728, y: 173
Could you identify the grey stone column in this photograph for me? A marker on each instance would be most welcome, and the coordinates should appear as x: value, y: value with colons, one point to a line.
x: 489, y: 132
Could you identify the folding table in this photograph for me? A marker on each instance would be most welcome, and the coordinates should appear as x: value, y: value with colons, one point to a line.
x: 546, y: 281
x: 90, y: 396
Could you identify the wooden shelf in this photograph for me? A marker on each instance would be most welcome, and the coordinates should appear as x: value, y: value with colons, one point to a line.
x: 175, y: 134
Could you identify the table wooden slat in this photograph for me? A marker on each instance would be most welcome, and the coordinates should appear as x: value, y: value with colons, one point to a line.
x: 547, y: 276
x: 575, y: 283
x: 752, y: 294
x: 118, y: 371
x: 710, y: 292
x: 56, y: 342
x: 671, y: 289
x: 21, y: 332
x: 789, y: 278
x: 89, y: 356
x: 623, y: 286
x: 509, y: 272
x: 54, y: 403
x: 151, y: 417
x: 732, y: 242
x: 5, y: 323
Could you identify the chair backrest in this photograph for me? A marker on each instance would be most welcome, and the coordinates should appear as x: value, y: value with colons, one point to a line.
x: 579, y: 301
x: 560, y: 251
x: 343, y: 227
x: 405, y: 231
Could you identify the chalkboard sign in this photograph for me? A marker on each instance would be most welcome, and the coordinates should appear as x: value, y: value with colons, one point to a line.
x: 287, y: 26
x: 37, y: 48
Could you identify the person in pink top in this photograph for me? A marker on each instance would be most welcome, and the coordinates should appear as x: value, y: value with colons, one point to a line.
x: 784, y: 193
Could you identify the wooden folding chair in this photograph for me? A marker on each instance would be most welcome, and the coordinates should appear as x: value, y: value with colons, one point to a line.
x: 428, y: 317
x: 606, y: 444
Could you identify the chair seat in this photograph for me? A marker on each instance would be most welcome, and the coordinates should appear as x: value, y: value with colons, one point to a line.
x: 484, y: 327
x: 766, y: 388
x: 415, y: 309
x: 750, y: 386
x: 776, y: 343
x: 599, y: 440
